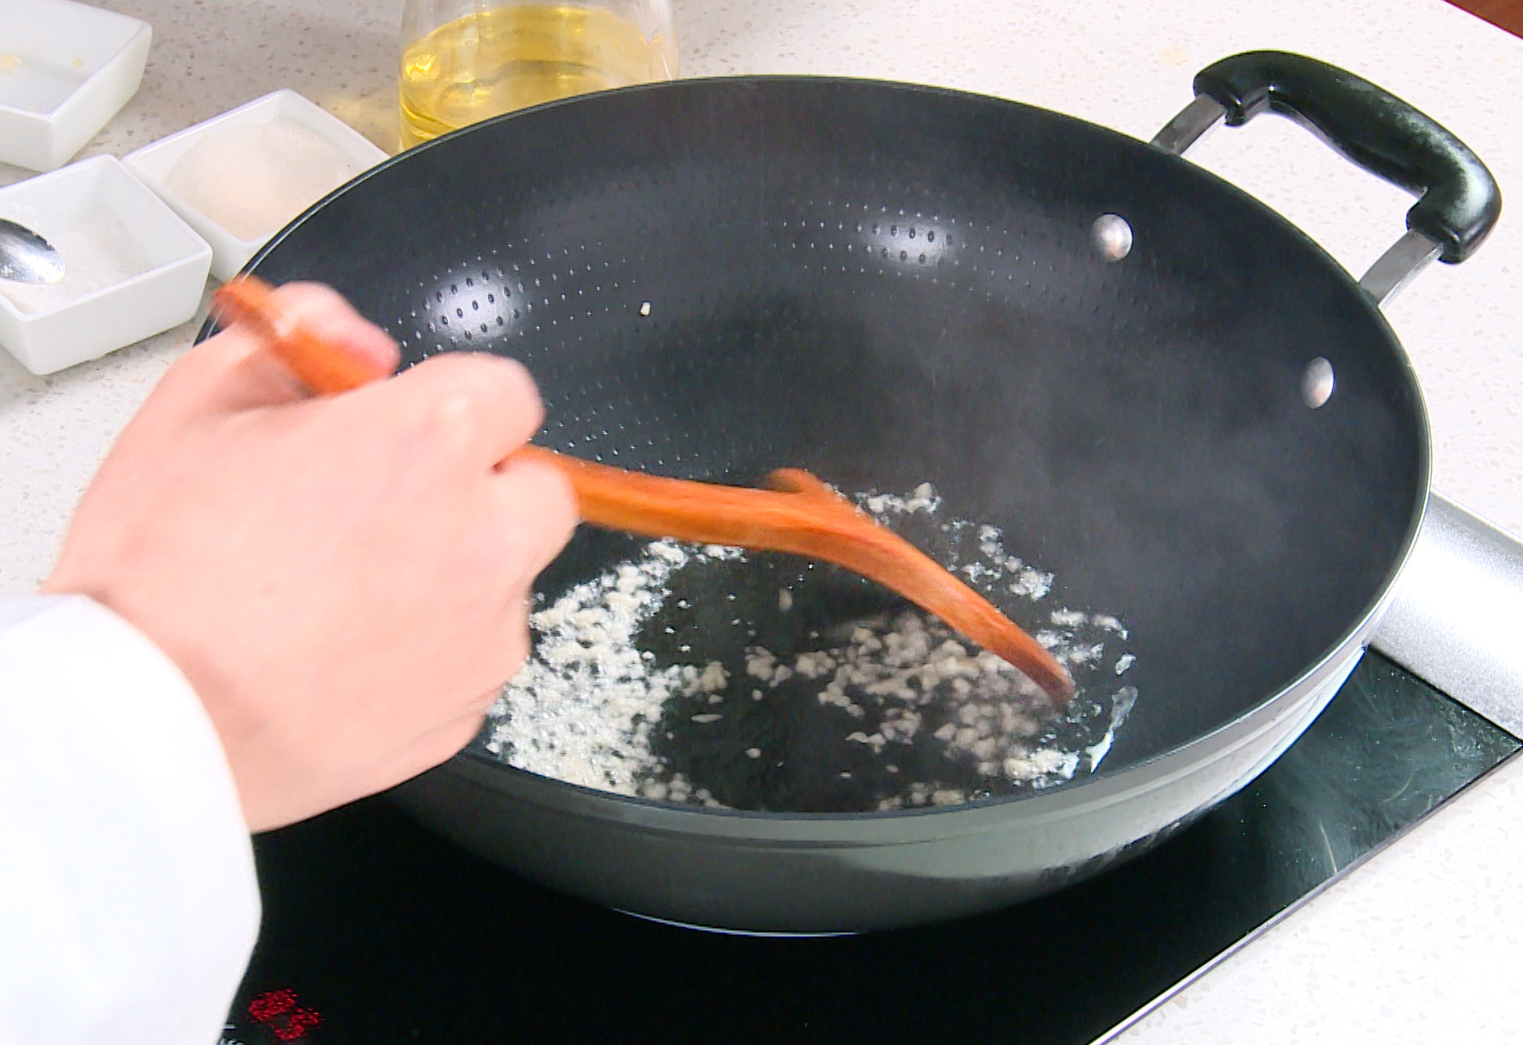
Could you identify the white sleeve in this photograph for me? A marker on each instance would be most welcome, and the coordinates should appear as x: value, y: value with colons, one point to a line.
x: 128, y: 902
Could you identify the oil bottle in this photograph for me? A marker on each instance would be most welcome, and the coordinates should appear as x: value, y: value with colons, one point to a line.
x: 466, y: 60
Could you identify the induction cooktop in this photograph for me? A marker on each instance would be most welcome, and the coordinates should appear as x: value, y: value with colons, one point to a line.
x: 377, y: 930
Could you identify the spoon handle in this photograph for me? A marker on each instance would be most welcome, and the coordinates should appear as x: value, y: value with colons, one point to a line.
x: 799, y: 515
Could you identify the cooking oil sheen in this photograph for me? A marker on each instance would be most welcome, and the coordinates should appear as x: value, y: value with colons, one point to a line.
x: 508, y: 58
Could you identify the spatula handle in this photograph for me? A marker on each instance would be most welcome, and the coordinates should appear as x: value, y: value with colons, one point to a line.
x: 801, y: 515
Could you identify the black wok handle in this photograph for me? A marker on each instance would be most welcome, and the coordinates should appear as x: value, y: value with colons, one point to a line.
x: 1377, y: 130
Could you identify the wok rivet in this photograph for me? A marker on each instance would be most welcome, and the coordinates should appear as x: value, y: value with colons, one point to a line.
x: 1112, y: 236
x: 1317, y: 383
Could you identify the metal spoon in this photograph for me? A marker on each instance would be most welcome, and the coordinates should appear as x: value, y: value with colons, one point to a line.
x: 26, y: 257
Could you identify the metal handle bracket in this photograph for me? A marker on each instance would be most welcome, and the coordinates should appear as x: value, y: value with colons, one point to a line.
x: 1459, y: 201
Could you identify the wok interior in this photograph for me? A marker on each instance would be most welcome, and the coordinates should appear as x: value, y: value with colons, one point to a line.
x: 890, y: 286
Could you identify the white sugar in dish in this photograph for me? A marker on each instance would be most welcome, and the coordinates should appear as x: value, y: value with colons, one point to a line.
x: 885, y: 711
x: 98, y: 251
x: 253, y: 178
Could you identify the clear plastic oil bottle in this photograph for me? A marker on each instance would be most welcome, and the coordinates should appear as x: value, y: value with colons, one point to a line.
x: 466, y: 60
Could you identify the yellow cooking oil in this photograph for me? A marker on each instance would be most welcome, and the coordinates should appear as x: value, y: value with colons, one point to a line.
x: 506, y: 58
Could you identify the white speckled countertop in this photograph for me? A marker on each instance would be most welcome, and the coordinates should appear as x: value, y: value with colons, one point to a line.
x: 1423, y: 942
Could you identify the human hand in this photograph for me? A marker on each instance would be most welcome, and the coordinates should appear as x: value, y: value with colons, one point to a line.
x: 343, y: 580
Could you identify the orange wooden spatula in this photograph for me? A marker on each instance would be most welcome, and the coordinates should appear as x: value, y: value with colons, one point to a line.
x: 799, y: 515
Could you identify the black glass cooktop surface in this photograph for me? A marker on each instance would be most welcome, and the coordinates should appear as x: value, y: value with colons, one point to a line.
x: 376, y: 930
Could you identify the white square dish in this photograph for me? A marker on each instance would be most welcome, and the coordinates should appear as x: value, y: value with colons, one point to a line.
x: 65, y: 69
x: 237, y: 183
x: 133, y: 268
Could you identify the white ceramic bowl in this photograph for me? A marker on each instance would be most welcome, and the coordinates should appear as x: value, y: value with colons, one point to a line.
x: 133, y: 268
x: 155, y: 165
x: 65, y: 70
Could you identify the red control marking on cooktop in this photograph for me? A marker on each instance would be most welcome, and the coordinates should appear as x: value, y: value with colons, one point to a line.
x: 279, y: 1012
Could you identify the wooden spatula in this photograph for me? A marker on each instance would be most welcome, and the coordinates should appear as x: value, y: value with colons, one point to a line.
x: 800, y: 514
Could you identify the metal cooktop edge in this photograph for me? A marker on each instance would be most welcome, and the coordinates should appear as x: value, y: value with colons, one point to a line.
x: 1456, y: 614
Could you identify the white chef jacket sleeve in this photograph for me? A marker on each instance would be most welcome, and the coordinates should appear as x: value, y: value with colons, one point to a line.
x: 128, y: 902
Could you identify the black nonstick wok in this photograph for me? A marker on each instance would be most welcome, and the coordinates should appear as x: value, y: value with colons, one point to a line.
x: 891, y: 284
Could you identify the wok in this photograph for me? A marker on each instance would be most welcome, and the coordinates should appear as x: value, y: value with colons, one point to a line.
x: 887, y: 284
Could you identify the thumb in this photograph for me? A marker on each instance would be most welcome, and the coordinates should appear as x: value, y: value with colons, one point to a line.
x: 319, y: 337
x: 238, y: 370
